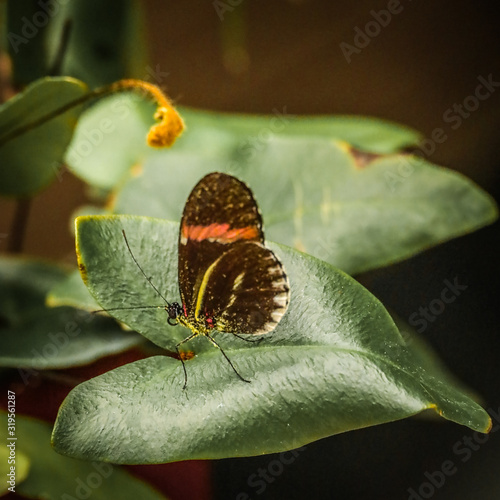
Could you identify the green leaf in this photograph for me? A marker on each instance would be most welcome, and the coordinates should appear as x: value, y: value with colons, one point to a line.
x: 111, y: 136
x: 37, y: 337
x: 110, y: 139
x: 28, y: 60
x: 54, y: 477
x: 71, y: 291
x: 335, y: 362
x: 107, y: 40
x: 32, y: 155
x: 371, y: 134
x: 315, y: 195
x: 428, y: 359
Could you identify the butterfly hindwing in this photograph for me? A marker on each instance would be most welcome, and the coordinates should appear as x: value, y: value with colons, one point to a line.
x: 219, y: 213
x: 245, y: 290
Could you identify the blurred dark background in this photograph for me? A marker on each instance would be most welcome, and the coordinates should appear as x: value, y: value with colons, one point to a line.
x: 254, y: 56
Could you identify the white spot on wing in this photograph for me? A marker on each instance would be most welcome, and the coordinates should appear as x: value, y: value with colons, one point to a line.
x: 276, y: 315
x: 281, y: 300
x: 275, y: 270
x: 280, y: 283
x: 266, y: 328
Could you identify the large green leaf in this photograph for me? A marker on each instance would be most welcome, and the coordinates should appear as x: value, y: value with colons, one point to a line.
x: 37, y: 337
x: 54, y: 477
x: 110, y: 139
x: 103, y: 155
x: 335, y: 362
x: 315, y: 195
x: 371, y: 134
x: 73, y: 292
x: 31, y: 155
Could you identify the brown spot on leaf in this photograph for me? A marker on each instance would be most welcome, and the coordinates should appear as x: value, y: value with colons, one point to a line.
x: 362, y: 158
x: 186, y: 355
x: 83, y: 271
x: 490, y: 426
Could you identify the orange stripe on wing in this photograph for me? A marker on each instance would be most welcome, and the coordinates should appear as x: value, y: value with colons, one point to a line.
x: 220, y: 233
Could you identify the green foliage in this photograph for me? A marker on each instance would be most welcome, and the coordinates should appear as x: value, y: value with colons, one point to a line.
x: 71, y: 291
x: 371, y: 134
x: 106, y: 42
x: 52, y: 476
x: 32, y: 155
x: 341, y: 189
x: 110, y: 139
x: 87, y: 39
x: 35, y: 337
x: 103, y: 155
x: 29, y: 60
x: 335, y: 362
x: 314, y: 197
x: 355, y: 210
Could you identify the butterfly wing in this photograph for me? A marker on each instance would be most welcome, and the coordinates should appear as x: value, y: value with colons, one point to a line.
x: 219, y: 213
x: 245, y: 290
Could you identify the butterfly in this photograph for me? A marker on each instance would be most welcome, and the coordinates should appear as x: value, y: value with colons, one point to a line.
x: 229, y: 281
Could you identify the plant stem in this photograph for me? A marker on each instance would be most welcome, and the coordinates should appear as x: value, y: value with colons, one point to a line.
x: 19, y: 225
x: 170, y: 127
x: 49, y: 116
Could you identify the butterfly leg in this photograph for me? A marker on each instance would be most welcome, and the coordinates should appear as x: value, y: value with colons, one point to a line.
x: 187, y: 339
x: 225, y: 355
x: 248, y: 340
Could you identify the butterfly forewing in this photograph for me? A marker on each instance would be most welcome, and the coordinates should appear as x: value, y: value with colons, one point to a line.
x: 245, y: 291
x: 219, y: 213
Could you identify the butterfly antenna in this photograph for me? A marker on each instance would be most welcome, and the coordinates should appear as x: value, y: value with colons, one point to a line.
x: 142, y: 271
x: 126, y: 308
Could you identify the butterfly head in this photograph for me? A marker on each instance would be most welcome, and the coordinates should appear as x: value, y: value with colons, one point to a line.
x: 174, y: 311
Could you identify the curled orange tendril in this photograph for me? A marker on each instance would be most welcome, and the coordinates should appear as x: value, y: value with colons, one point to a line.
x: 171, y: 125
x: 166, y: 132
